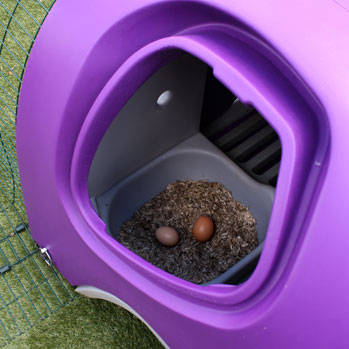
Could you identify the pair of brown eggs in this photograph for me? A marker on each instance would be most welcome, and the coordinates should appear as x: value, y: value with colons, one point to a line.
x: 203, y: 230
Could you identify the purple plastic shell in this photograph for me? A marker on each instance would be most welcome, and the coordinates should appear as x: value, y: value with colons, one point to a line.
x: 289, y: 59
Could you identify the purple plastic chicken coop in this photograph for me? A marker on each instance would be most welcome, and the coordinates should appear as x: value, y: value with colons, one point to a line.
x: 110, y: 112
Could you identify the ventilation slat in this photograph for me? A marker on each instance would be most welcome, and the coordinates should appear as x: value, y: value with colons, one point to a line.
x: 239, y: 133
x: 244, y: 136
x: 266, y: 158
x: 253, y: 145
x: 270, y: 176
x: 227, y: 121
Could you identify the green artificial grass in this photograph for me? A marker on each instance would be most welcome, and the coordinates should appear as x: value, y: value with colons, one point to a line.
x: 38, y: 308
x: 31, y: 292
x: 88, y: 323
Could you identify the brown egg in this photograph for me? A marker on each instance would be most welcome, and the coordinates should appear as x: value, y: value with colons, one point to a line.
x: 167, y: 236
x: 203, y: 229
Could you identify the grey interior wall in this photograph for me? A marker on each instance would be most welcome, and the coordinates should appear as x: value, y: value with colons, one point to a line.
x: 143, y: 130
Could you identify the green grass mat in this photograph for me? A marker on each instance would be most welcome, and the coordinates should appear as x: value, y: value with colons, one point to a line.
x: 88, y: 323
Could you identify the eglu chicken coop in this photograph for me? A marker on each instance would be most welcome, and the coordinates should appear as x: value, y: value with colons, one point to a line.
x: 143, y: 124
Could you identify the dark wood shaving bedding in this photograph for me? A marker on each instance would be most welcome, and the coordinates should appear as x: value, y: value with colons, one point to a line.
x: 178, y: 206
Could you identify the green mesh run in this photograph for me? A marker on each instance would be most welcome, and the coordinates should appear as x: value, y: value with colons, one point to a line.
x: 29, y: 289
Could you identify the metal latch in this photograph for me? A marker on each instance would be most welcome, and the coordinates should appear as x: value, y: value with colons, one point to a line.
x: 46, y: 256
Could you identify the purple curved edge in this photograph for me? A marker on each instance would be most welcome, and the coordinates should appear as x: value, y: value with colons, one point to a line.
x: 289, y: 59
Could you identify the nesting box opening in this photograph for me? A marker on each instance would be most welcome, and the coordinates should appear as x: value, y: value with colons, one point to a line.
x: 183, y: 125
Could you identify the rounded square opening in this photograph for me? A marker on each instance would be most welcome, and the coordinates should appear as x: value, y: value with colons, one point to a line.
x: 184, y: 125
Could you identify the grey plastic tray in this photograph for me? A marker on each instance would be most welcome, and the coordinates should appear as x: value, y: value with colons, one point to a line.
x: 196, y: 158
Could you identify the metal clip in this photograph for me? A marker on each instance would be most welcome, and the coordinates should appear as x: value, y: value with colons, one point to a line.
x: 46, y: 256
